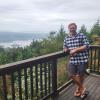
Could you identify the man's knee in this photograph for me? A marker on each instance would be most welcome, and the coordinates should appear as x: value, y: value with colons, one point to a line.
x: 72, y: 76
x: 76, y: 76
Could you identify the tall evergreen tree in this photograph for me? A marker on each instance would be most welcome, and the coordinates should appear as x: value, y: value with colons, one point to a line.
x: 83, y: 29
x: 96, y: 28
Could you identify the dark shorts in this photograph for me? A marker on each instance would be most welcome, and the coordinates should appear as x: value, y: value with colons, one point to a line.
x: 78, y: 69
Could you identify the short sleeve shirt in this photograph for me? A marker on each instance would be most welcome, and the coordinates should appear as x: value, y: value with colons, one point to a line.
x: 73, y: 42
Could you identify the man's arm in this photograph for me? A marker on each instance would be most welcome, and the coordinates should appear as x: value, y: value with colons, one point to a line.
x: 79, y: 49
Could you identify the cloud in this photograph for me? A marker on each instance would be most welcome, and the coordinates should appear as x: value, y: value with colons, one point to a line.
x: 46, y: 15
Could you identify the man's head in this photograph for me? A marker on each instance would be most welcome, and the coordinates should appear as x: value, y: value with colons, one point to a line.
x: 72, y: 27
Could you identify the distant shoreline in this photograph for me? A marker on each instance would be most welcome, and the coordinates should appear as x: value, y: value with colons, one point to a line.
x: 16, y: 44
x: 10, y: 40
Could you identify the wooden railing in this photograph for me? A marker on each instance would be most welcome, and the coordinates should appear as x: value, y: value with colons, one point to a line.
x: 94, y: 59
x: 36, y: 78
x: 30, y: 79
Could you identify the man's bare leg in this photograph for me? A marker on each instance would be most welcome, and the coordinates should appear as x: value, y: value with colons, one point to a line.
x: 79, y: 82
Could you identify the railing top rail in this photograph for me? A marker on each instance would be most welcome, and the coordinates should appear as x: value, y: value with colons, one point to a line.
x: 95, y: 46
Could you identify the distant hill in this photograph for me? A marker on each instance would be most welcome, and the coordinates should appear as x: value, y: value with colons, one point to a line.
x: 14, y: 36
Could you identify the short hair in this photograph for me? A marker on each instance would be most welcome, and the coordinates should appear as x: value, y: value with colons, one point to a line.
x: 72, y: 24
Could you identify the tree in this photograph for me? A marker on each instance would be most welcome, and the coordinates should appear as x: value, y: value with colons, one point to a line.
x: 96, y: 28
x: 83, y: 29
x: 61, y: 33
x: 60, y: 38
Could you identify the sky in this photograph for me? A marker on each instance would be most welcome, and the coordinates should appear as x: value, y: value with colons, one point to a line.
x: 46, y: 15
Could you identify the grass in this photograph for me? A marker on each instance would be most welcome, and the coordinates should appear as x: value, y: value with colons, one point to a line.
x: 62, y: 71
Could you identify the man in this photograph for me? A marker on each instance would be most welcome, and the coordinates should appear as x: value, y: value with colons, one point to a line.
x: 78, y: 45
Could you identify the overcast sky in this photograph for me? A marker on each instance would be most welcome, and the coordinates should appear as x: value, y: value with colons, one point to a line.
x: 46, y: 15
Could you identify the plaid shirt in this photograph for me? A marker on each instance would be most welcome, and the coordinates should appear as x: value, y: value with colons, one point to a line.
x: 73, y: 42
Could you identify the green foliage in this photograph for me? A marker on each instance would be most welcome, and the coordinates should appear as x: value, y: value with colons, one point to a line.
x: 3, y: 58
x: 83, y: 29
x: 96, y: 28
x: 62, y: 75
x: 95, y: 33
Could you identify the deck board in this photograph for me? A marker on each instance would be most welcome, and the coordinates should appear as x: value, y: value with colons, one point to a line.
x: 92, y: 83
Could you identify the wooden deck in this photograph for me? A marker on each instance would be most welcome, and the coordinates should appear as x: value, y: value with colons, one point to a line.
x: 93, y: 86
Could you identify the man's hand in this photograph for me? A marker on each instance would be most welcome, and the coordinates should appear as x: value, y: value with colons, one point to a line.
x: 65, y: 49
x: 73, y: 52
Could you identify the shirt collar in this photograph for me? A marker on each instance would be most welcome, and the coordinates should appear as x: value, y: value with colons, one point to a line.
x: 73, y: 36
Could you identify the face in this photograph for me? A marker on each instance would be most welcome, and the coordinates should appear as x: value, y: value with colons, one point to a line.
x: 72, y: 29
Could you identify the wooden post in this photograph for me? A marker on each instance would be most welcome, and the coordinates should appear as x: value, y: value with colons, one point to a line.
x: 54, y: 78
